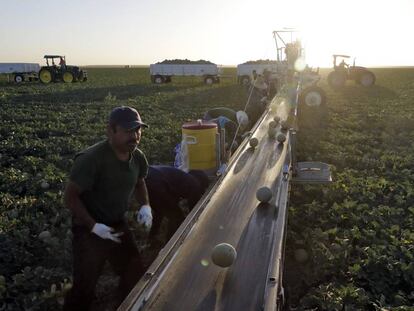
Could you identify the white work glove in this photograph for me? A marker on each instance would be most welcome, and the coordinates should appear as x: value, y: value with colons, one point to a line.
x: 144, y: 216
x: 105, y: 232
x: 242, y: 118
x: 264, y: 100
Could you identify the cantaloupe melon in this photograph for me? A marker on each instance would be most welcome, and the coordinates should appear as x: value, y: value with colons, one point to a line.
x: 223, y: 255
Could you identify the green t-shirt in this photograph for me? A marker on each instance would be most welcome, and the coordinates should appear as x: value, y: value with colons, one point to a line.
x: 107, y: 183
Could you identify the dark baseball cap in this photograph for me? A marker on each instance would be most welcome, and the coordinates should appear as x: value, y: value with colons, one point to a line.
x: 126, y: 117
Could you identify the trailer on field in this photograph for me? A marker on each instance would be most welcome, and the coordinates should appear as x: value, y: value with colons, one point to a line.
x: 20, y: 72
x: 162, y: 73
x: 246, y: 70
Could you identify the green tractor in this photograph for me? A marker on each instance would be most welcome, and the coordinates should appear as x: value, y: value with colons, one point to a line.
x: 342, y: 72
x: 61, y: 72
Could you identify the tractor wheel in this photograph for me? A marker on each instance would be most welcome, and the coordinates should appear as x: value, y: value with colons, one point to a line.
x: 367, y: 79
x: 312, y: 111
x: 68, y: 77
x: 46, y: 76
x: 18, y: 78
x: 313, y: 97
x: 209, y: 80
x: 79, y: 77
x: 336, y: 79
x: 245, y: 80
x: 158, y: 79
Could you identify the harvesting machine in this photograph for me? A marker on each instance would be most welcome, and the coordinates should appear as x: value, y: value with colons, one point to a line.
x: 183, y: 276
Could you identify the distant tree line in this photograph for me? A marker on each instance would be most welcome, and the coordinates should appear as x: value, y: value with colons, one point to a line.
x: 185, y: 62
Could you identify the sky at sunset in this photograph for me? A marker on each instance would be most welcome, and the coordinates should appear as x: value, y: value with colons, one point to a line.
x: 226, y: 32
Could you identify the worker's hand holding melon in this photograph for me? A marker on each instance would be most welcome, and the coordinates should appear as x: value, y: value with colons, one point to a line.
x: 144, y: 217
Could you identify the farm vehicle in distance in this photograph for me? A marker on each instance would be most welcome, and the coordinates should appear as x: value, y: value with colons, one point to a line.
x: 245, y: 70
x: 163, y: 71
x: 62, y: 72
x: 20, y: 72
x: 343, y: 72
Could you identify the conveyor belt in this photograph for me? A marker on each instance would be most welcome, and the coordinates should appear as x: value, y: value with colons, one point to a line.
x: 183, y: 276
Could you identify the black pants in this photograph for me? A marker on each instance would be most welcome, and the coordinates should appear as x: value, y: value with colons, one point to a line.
x: 90, y: 253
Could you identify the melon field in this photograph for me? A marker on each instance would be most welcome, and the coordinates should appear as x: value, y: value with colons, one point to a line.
x: 350, y: 244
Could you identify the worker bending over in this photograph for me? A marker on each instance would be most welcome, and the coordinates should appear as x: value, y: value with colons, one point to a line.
x: 167, y: 186
x: 234, y: 123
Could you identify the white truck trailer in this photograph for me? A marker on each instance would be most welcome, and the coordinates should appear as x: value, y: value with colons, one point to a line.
x: 245, y: 71
x: 19, y: 72
x: 162, y: 73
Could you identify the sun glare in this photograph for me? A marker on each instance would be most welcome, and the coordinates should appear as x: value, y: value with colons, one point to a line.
x: 359, y: 29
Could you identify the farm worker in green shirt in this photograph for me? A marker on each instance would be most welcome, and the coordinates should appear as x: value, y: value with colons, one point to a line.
x: 102, y: 181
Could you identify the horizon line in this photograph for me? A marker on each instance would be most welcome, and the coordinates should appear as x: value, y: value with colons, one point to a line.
x: 235, y: 65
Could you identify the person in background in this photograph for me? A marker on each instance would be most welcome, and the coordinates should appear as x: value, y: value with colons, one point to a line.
x: 271, y: 82
x: 167, y: 187
x: 266, y: 75
x: 102, y: 181
x: 254, y: 75
x: 220, y: 112
x: 258, y: 100
x: 231, y: 121
x: 62, y: 63
x: 342, y: 65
